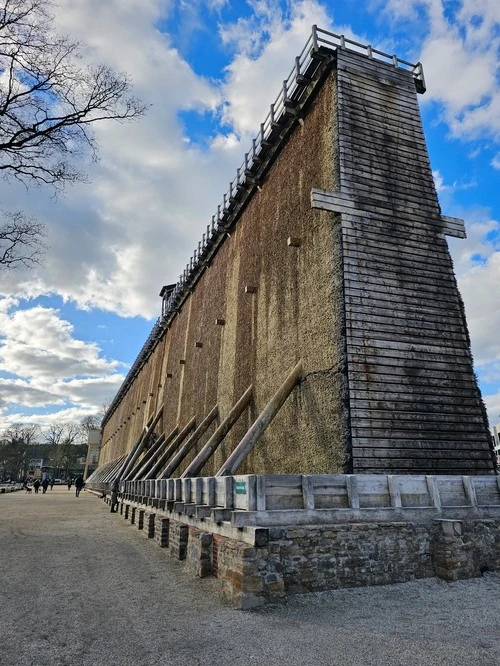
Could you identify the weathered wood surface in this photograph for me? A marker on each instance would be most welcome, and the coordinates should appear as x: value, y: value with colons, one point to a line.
x: 414, y: 399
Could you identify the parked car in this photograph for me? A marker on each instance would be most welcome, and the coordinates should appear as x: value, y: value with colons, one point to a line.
x: 56, y: 481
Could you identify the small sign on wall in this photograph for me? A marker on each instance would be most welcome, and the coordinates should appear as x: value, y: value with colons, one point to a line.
x: 241, y: 487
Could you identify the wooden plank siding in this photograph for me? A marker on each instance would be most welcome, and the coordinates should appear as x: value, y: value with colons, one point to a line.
x: 414, y: 402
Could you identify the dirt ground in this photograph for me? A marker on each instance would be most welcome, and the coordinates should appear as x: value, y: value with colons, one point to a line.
x: 81, y: 586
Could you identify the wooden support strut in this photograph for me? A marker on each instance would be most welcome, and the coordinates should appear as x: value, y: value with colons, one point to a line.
x: 147, y: 456
x: 147, y: 464
x: 184, y: 450
x: 134, y: 449
x: 214, y: 441
x: 263, y: 420
x: 160, y: 463
x: 140, y: 445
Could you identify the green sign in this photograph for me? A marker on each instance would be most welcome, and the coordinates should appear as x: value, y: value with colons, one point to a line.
x: 241, y: 487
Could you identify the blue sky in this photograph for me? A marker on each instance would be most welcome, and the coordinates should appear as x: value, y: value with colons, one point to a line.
x: 210, y: 68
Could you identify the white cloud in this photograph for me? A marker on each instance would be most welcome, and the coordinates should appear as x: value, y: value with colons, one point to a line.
x: 492, y: 403
x: 268, y: 42
x: 495, y: 162
x: 51, y: 366
x: 459, y: 50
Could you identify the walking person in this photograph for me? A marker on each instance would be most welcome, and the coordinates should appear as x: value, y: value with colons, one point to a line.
x: 52, y: 484
x: 36, y: 486
x: 45, y: 485
x: 70, y: 483
x: 79, y: 483
x: 115, y: 487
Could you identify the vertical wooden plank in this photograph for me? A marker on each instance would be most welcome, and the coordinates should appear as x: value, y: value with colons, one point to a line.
x: 198, y: 489
x: 307, y: 492
x: 470, y: 492
x: 260, y: 492
x: 394, y: 491
x: 251, y: 492
x: 228, y: 492
x: 210, y: 491
x: 352, y: 491
x: 186, y: 490
x: 434, y: 491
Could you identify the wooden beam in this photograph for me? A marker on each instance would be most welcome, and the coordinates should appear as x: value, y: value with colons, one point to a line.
x: 214, y: 441
x: 333, y: 201
x: 453, y: 226
x: 184, y: 450
x: 131, y: 476
x: 160, y: 463
x: 259, y: 426
x: 134, y: 448
x: 137, y: 450
x: 146, y: 465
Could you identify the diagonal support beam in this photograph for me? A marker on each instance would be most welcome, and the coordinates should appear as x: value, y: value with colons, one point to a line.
x: 263, y: 420
x: 182, y: 453
x: 210, y: 447
x: 160, y: 463
x: 143, y: 467
x: 138, y: 448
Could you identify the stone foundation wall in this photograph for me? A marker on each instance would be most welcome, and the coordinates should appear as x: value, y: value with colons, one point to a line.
x: 295, y: 560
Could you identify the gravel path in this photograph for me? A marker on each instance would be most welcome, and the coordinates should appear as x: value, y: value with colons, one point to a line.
x: 80, y: 586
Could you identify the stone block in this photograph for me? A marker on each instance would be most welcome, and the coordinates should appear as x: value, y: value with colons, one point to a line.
x: 148, y: 528
x: 178, y: 540
x: 161, y: 530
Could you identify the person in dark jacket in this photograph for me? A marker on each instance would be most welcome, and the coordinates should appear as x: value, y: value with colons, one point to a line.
x: 36, y: 486
x: 79, y: 483
x: 115, y: 487
x: 45, y: 485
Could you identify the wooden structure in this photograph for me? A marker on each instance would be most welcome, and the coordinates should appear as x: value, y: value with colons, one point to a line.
x: 324, y: 271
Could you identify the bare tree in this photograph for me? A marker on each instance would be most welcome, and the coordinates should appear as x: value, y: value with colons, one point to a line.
x: 49, y: 102
x: 21, y: 240
x: 16, y: 449
x: 64, y: 440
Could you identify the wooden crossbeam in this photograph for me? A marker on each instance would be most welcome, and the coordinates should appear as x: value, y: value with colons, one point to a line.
x: 336, y: 202
x: 453, y: 226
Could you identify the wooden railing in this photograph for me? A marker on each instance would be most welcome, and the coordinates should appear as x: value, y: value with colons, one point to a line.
x: 264, y: 500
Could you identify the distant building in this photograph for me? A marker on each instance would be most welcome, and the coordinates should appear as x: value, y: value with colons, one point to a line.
x: 94, y: 446
x: 39, y: 468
